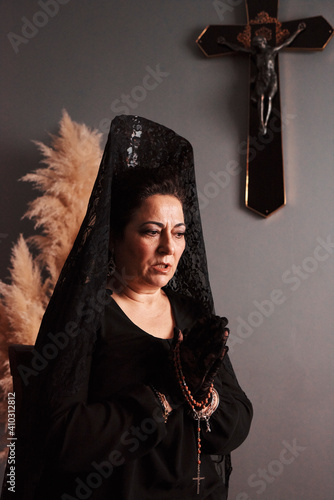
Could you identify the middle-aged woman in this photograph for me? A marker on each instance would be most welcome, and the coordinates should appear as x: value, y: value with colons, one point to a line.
x: 139, y: 397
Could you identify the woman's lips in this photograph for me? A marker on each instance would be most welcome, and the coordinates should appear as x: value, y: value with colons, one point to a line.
x: 163, y: 268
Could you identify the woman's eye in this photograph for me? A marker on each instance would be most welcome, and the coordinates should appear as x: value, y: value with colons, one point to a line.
x: 151, y: 232
x: 180, y: 235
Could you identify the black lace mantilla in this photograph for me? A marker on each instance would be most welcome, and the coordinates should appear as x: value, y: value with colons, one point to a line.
x: 133, y: 142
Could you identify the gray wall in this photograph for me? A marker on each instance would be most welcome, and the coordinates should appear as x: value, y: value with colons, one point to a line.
x: 90, y: 53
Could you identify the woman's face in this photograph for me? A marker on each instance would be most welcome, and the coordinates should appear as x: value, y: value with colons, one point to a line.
x: 147, y: 255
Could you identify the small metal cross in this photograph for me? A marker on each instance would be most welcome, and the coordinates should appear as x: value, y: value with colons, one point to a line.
x: 198, y: 479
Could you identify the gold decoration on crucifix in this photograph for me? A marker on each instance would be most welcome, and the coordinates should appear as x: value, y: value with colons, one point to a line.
x: 265, y: 33
x: 263, y: 18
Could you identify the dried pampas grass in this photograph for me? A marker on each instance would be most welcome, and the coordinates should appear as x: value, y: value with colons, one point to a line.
x: 66, y: 180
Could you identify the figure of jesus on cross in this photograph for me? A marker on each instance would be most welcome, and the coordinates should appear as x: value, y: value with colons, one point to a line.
x: 266, y: 79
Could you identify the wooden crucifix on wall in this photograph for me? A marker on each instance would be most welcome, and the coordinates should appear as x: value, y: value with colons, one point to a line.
x: 262, y: 38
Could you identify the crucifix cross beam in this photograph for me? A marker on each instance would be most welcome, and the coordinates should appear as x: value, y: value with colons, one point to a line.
x: 262, y: 39
x: 198, y: 479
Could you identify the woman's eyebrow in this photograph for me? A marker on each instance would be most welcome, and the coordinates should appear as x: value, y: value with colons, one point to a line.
x: 160, y: 224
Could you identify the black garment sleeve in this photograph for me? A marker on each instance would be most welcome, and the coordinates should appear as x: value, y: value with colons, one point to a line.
x: 230, y: 423
x: 117, y: 430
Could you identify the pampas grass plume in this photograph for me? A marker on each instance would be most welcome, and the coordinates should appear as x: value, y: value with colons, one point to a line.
x: 65, y: 182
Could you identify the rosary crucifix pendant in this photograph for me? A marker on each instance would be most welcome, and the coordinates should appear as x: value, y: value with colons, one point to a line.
x: 198, y: 479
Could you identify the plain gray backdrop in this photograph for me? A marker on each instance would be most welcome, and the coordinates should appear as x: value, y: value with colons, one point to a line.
x: 273, y: 278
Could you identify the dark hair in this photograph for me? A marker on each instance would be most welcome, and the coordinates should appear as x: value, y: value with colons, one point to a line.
x: 134, y: 186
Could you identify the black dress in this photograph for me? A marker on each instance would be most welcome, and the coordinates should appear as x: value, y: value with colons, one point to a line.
x: 112, y: 442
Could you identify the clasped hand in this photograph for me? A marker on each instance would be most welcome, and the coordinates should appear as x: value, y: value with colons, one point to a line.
x: 202, y: 350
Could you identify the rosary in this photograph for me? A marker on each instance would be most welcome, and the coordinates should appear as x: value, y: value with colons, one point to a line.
x: 202, y: 410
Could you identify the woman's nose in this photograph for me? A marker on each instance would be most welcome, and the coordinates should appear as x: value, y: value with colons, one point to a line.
x: 166, y: 245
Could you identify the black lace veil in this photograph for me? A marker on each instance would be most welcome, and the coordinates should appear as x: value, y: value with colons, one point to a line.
x: 69, y: 327
x: 79, y: 295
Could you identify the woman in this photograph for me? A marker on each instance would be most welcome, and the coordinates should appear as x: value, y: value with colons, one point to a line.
x: 140, y: 393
